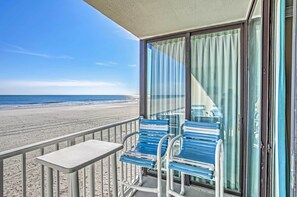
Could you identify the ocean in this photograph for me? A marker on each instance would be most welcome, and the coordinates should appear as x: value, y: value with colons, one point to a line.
x: 16, y: 101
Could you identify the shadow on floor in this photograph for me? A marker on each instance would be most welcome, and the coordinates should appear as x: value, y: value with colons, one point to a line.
x: 191, y: 191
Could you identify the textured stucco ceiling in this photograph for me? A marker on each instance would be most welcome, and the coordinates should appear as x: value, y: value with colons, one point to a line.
x: 148, y: 18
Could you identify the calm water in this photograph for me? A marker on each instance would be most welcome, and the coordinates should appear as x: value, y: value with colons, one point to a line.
x: 39, y: 100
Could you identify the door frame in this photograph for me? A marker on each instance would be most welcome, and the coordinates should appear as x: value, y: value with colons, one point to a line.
x: 293, y: 140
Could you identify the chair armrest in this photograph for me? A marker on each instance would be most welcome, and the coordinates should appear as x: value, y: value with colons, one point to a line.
x: 219, y: 151
x: 160, y: 148
x: 169, y: 150
x: 128, y: 136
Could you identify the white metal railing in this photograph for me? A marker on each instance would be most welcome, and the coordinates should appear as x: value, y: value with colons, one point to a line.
x: 20, y: 175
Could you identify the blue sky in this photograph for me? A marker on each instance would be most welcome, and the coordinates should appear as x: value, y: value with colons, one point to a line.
x: 64, y: 47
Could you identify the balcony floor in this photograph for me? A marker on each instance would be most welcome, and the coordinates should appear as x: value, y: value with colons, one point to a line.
x: 191, y: 191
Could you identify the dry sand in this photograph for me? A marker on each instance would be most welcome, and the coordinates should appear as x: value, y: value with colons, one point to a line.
x: 20, y: 127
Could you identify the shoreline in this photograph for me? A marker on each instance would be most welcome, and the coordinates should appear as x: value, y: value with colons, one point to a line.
x: 65, y: 104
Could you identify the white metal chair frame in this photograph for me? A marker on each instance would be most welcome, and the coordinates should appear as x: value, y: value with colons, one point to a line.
x: 218, y: 172
x: 159, y: 169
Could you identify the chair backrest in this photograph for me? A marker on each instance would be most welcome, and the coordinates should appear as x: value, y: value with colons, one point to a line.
x: 174, y: 122
x: 150, y: 134
x: 200, y: 140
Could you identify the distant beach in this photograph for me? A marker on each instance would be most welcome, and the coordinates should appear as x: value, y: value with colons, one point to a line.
x: 29, y: 123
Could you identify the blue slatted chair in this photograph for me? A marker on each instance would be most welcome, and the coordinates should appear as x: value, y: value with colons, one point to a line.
x: 201, y: 155
x: 149, y: 152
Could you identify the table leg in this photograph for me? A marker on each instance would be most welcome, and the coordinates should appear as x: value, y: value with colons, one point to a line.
x: 49, y: 181
x: 69, y: 185
x: 114, y: 175
x: 92, y: 180
x: 73, y: 185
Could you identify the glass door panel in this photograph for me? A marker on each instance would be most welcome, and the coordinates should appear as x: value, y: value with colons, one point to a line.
x: 216, y: 92
x: 254, y: 102
x: 166, y: 81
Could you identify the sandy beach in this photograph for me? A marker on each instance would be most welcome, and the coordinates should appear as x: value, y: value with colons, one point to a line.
x: 19, y: 127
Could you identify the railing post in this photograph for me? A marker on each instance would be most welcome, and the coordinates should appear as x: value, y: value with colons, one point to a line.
x: 70, y: 142
x: 101, y: 167
x: 84, y: 176
x: 126, y: 148
x: 58, y: 177
x: 92, y: 179
x: 24, y: 176
x: 49, y: 182
x: 114, y: 175
x: 108, y: 159
x: 131, y: 177
x: 42, y: 175
x: 134, y: 146
x: 1, y: 178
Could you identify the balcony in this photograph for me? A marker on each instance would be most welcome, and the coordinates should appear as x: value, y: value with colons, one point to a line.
x: 30, y: 179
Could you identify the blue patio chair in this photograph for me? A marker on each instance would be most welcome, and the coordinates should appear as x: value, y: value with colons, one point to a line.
x: 149, y: 152
x: 201, y: 155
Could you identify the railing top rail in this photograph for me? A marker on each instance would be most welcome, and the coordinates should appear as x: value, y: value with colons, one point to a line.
x: 31, y: 147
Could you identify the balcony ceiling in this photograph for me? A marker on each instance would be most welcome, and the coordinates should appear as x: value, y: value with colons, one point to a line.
x: 149, y: 18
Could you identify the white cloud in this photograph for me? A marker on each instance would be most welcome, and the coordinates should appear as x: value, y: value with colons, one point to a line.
x: 72, y: 87
x: 68, y: 83
x: 20, y: 50
x: 106, y: 63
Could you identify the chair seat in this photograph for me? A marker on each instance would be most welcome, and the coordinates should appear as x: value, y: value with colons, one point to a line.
x: 197, y: 171
x: 140, y: 159
x: 179, y: 159
x: 198, y: 159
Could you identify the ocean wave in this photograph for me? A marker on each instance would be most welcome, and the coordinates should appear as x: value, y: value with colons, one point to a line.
x: 66, y: 103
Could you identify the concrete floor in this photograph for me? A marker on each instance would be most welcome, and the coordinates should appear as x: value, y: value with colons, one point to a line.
x: 191, y: 191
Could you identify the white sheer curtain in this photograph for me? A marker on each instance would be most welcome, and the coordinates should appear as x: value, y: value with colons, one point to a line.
x: 215, y: 84
x: 166, y: 80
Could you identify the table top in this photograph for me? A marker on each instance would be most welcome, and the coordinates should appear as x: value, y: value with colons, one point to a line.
x: 76, y: 157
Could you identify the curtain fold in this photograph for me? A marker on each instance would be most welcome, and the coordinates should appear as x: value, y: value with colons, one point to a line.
x: 215, y: 86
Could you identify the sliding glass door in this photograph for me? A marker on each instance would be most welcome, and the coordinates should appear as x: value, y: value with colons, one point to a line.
x: 215, y: 88
x: 215, y: 92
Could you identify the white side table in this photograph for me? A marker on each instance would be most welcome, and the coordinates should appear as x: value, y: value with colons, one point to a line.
x: 71, y: 159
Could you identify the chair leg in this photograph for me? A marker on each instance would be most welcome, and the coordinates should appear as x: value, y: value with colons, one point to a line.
x: 167, y: 182
x: 159, y: 177
x: 122, y: 179
x: 217, y: 185
x: 222, y: 172
x: 140, y: 176
x: 182, y: 189
x: 217, y: 176
x: 171, y: 179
